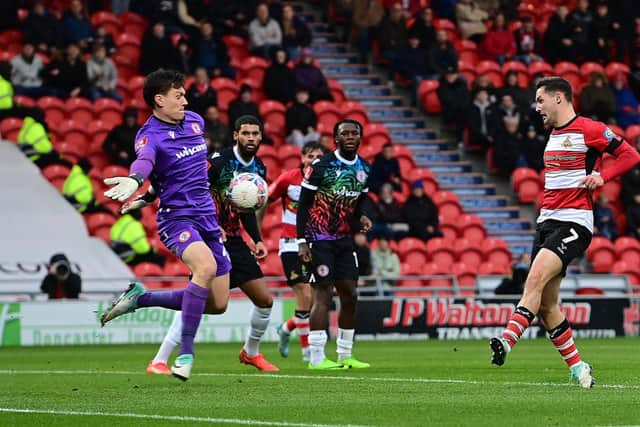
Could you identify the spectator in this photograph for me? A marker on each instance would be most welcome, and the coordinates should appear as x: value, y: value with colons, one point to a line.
x: 388, y: 221
x: 41, y: 28
x: 499, y: 44
x: 385, y: 169
x: 527, y: 42
x: 634, y: 76
x: 69, y: 75
x: 532, y: 149
x: 633, y: 217
x: 296, y: 35
x: 626, y: 102
x: 363, y: 254
x: 519, y: 95
x: 582, y: 27
x: 104, y: 38
x: 78, y: 189
x: 301, y: 120
x: 392, y: 33
x: 200, y: 94
x: 26, y: 70
x: 309, y: 76
x: 264, y: 33
x: 129, y: 240
x: 279, y: 80
x: 184, y: 56
x: 603, y: 219
x: 102, y: 75
x: 471, y: 20
x: 421, y: 214
x: 412, y: 61
x: 366, y: 17
x: 156, y: 50
x: 212, y: 54
x: 607, y: 34
x: 480, y: 119
x: 597, y: 100
x: 455, y: 99
x: 423, y: 28
x: 60, y: 281
x: 558, y: 44
x: 327, y: 142
x: 505, y: 109
x: 442, y: 55
x: 514, y: 283
x: 119, y: 143
x: 218, y: 133
x: 507, y: 143
x: 242, y: 105
x: 385, y: 263
x: 34, y: 142
x: 76, y: 27
x: 484, y: 82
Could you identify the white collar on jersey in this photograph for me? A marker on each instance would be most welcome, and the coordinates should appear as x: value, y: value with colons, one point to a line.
x: 343, y: 160
x: 239, y: 157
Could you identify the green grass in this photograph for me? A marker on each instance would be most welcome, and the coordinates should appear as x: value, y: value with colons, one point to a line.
x: 411, y: 383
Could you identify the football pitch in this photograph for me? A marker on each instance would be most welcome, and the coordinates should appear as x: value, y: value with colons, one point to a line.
x: 410, y: 383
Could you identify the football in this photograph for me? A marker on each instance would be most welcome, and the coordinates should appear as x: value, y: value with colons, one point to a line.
x: 248, y: 191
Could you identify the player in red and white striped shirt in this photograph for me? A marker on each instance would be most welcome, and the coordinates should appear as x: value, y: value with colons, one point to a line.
x: 287, y: 189
x: 565, y: 224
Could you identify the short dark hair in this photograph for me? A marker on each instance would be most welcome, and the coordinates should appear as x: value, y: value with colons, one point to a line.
x: 247, y: 119
x: 160, y: 82
x: 344, y: 121
x: 556, y: 84
x: 311, y: 146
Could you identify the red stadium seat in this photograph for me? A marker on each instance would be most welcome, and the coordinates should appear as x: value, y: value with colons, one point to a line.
x: 53, y: 107
x: 24, y: 101
x: 465, y: 274
x: 289, y: 156
x: 590, y: 67
x: 375, y: 135
x: 253, y: 67
x: 526, y: 183
x: 236, y: 46
x: 108, y: 20
x: 601, y: 254
x: 429, y: 97
x: 134, y: 24
x: 492, y: 70
x: 410, y: 244
x: 518, y: 67
x: 448, y: 204
x: 97, y: 131
x: 56, y: 175
x: 428, y: 179
x: 614, y: 68
x: 99, y: 220
x: 628, y: 249
x: 537, y: 67
x: 10, y: 128
x: 108, y: 110
x: 337, y: 92
x: 449, y: 228
x: 148, y: 269
x: 469, y: 253
x: 129, y: 45
x: 176, y: 269
x: 631, y: 134
x: 497, y: 251
x: 75, y: 133
x: 632, y: 273
x: 226, y: 90
x: 114, y: 170
x: 79, y: 109
x: 489, y: 268
x: 438, y: 269
x: 327, y: 112
x: 472, y: 227
x: 274, y: 113
x: 441, y: 251
x: 354, y: 110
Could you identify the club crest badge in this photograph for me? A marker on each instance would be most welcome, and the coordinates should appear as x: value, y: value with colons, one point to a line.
x: 361, y: 176
x: 196, y: 128
x: 323, y: 270
x: 184, y: 236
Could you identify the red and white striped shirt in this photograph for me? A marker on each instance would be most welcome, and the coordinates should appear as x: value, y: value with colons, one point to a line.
x: 572, y: 153
x: 287, y: 188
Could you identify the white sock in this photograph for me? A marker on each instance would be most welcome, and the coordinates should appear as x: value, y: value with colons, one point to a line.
x: 345, y: 343
x: 317, y: 341
x: 171, y: 340
x: 257, y: 327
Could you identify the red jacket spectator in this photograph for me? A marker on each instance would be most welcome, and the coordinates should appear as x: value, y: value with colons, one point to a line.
x: 499, y: 43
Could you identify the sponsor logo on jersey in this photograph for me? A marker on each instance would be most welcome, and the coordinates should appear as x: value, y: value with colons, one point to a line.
x: 142, y: 142
x: 191, y: 151
x: 196, y: 128
x: 184, y: 236
x: 346, y: 193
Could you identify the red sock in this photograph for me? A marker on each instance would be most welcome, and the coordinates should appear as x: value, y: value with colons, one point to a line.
x: 302, y: 323
x: 562, y: 338
x: 290, y: 325
x: 517, y: 324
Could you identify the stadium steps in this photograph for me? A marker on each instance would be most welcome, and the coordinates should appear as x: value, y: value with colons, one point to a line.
x: 407, y: 126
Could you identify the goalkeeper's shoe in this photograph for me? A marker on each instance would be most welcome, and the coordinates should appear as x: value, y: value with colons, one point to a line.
x: 283, y: 344
x: 181, y: 368
x: 327, y: 364
x: 500, y: 349
x: 353, y: 363
x: 258, y: 361
x: 581, y: 374
x: 159, y: 368
x: 127, y: 302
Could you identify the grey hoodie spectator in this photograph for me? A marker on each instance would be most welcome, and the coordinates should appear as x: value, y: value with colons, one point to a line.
x: 264, y: 32
x: 26, y: 70
x: 102, y: 74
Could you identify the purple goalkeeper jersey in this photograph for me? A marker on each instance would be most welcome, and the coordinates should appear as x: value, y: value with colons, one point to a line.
x: 174, y: 158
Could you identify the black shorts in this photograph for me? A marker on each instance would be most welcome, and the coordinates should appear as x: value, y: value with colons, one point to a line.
x: 333, y: 260
x: 566, y: 239
x: 294, y: 270
x: 244, y: 266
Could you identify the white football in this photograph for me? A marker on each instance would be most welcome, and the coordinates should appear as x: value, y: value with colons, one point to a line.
x: 248, y: 191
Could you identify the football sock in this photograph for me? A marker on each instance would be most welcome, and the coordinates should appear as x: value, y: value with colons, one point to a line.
x: 289, y: 325
x: 345, y: 343
x: 167, y: 299
x: 518, y: 323
x: 193, y: 305
x: 170, y: 341
x: 301, y: 320
x: 562, y: 338
x: 317, y: 341
x: 257, y: 327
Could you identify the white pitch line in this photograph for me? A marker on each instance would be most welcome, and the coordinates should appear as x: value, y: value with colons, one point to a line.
x: 170, y: 418
x: 325, y: 377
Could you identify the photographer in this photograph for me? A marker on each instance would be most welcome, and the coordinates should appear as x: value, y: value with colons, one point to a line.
x: 61, y: 282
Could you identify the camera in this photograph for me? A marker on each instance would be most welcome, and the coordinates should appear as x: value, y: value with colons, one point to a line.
x: 60, y: 266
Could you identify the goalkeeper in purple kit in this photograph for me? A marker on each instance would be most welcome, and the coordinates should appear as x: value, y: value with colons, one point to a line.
x: 172, y: 154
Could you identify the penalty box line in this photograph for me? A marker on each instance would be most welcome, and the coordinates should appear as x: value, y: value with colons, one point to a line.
x: 326, y: 377
x: 168, y: 418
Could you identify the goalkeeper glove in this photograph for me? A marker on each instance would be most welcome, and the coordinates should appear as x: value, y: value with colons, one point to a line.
x: 139, y: 202
x: 124, y: 188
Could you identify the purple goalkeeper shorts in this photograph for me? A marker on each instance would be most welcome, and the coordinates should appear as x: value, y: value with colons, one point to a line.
x: 178, y: 233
